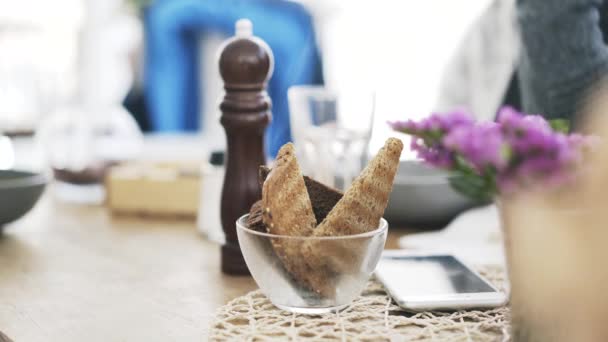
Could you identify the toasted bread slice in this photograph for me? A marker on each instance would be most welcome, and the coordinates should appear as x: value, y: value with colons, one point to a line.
x: 288, y: 211
x: 255, y: 220
x: 314, y: 276
x: 287, y: 206
x: 322, y: 197
x: 363, y: 204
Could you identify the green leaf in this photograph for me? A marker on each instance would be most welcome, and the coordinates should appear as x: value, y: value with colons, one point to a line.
x: 560, y: 125
x: 473, y: 186
x: 506, y: 152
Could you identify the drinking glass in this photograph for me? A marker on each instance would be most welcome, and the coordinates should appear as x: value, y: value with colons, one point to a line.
x: 331, y: 131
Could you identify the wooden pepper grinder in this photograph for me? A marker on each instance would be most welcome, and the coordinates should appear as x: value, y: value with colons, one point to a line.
x: 246, y: 64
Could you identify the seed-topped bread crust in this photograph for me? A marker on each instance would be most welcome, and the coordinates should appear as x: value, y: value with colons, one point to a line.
x: 322, y: 197
x: 363, y: 204
x: 292, y: 205
x: 287, y: 206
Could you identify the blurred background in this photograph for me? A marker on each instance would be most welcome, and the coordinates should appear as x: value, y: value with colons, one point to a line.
x: 158, y: 58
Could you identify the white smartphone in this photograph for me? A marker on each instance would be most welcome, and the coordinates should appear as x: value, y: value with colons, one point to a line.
x: 435, y: 282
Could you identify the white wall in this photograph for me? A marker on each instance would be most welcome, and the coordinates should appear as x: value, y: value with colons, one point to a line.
x: 398, y: 48
x: 38, y: 49
x: 212, y: 91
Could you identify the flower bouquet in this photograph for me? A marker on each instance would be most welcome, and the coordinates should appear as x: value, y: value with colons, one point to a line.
x: 487, y: 159
x: 500, y: 159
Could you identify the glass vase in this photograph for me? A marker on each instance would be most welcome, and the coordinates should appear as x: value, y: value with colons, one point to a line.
x: 555, y: 258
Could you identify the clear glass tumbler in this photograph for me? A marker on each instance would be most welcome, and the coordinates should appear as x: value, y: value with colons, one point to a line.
x: 311, y: 275
x: 331, y: 131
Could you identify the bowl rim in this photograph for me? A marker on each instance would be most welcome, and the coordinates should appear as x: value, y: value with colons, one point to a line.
x: 383, y: 227
x: 442, y: 177
x: 22, y: 179
x: 422, y: 180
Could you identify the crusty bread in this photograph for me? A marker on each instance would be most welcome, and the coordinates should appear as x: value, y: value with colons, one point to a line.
x: 255, y: 219
x: 359, y: 211
x: 288, y: 211
x: 263, y: 172
x: 287, y: 206
x: 313, y: 276
x: 322, y: 197
x: 289, y: 252
x: 363, y: 204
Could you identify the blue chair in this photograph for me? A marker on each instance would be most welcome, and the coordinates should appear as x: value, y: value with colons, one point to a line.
x: 173, y: 28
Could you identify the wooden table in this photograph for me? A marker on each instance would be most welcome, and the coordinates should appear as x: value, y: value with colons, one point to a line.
x: 74, y: 273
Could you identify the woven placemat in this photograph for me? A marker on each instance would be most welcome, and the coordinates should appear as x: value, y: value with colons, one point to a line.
x: 372, y: 317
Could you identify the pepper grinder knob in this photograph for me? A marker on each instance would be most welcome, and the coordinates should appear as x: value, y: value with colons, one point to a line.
x: 246, y: 64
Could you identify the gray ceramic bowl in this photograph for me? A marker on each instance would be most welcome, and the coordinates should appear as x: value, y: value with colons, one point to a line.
x: 19, y: 192
x: 422, y: 195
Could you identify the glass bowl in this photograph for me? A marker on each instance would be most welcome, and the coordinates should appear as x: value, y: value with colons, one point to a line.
x: 311, y: 275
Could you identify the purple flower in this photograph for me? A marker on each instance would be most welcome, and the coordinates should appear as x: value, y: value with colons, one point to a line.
x: 434, y: 155
x: 427, y: 136
x: 447, y: 122
x: 482, y: 146
x: 514, y: 123
x: 584, y: 142
x: 436, y: 123
x: 404, y: 126
x: 542, y: 157
x: 518, y: 151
